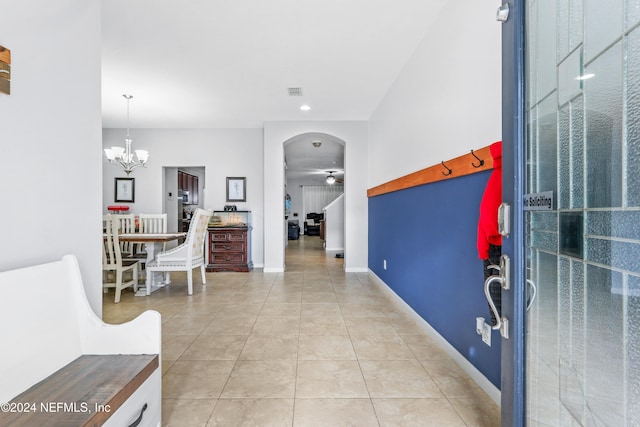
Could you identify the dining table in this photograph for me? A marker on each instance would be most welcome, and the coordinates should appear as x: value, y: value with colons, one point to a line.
x: 153, y: 243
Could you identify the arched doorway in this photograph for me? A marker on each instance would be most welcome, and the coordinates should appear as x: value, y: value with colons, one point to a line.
x: 314, y: 192
x: 355, y: 137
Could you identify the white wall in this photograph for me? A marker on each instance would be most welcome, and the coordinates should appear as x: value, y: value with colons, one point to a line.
x: 334, y: 225
x: 356, y: 151
x: 50, y: 167
x: 222, y: 152
x: 294, y: 189
x: 447, y: 99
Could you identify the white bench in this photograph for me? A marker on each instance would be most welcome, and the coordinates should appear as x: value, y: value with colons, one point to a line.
x: 61, y: 365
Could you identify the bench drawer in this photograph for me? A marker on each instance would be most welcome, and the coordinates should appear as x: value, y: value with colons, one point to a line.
x: 148, y: 393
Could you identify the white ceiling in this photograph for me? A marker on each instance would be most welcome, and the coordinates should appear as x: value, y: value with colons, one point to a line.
x: 310, y: 165
x: 228, y: 63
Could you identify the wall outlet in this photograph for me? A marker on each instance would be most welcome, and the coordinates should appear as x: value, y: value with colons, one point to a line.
x: 384, y: 264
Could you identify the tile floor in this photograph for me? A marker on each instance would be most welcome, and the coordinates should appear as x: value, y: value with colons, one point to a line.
x: 314, y: 346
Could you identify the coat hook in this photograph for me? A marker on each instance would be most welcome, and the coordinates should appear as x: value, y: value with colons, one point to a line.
x: 445, y: 166
x: 481, y: 160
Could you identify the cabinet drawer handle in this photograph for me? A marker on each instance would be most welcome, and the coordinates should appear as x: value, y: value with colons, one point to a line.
x: 139, y: 419
x: 228, y: 247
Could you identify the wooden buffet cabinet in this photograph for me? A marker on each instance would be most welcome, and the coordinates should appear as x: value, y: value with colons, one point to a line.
x: 229, y: 242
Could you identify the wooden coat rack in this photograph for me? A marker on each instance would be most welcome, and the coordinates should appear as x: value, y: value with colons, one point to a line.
x: 473, y: 162
x: 5, y: 70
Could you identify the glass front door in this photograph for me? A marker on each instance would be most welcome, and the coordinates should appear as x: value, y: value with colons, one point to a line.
x: 581, y: 212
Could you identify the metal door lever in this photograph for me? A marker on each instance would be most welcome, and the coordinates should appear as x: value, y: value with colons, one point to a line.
x: 534, y: 293
x: 492, y: 305
x: 502, y: 323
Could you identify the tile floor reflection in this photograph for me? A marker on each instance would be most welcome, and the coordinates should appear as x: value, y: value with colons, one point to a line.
x: 313, y: 346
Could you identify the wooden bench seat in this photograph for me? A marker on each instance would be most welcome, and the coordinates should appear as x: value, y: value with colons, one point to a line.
x: 83, y: 393
x: 60, y: 365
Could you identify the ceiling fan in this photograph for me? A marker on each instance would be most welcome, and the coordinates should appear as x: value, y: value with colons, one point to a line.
x: 332, y: 179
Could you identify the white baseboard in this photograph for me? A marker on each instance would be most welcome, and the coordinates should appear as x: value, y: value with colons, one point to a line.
x: 357, y: 270
x: 273, y: 270
x: 467, y: 366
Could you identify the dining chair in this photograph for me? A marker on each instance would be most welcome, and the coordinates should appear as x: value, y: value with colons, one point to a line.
x: 188, y: 255
x: 126, y: 223
x: 151, y: 223
x: 114, y: 267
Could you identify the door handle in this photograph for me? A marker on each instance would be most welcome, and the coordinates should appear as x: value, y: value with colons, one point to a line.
x: 492, y: 305
x: 502, y: 323
x: 533, y: 295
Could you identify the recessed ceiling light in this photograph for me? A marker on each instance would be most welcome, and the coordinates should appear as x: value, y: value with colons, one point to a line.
x: 305, y: 107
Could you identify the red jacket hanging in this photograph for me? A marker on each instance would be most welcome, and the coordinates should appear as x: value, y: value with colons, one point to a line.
x: 491, y: 199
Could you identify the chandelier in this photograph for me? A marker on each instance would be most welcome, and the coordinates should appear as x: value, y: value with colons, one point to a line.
x: 123, y: 155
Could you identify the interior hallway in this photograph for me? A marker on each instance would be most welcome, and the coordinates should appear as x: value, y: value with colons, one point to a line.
x: 313, y: 346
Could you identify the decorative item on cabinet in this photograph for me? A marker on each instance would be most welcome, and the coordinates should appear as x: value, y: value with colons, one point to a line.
x: 230, y: 241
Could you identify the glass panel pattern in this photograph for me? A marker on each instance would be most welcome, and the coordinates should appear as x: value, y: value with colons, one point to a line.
x: 547, y: 146
x: 569, y: 73
x: 603, y: 119
x: 577, y: 153
x: 603, y: 25
x: 563, y: 29
x: 544, y: 241
x: 531, y: 167
x: 546, y: 48
x: 632, y: 13
x: 632, y: 350
x: 532, y: 43
x: 576, y: 20
x: 620, y: 224
x: 564, y: 146
x: 544, y: 338
x: 572, y: 365
x: 622, y: 255
x: 583, y: 330
x: 546, y: 221
x: 632, y: 107
x: 604, y: 362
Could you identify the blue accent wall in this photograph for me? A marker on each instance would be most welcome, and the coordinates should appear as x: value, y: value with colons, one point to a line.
x: 427, y: 235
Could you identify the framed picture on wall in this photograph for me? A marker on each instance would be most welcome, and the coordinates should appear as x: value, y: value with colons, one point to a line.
x: 236, y: 189
x: 125, y: 190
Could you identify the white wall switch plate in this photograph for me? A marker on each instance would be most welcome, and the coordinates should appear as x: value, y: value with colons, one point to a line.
x: 486, y: 334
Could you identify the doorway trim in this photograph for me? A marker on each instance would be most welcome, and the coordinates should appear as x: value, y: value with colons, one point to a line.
x: 355, y: 135
x: 303, y: 140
